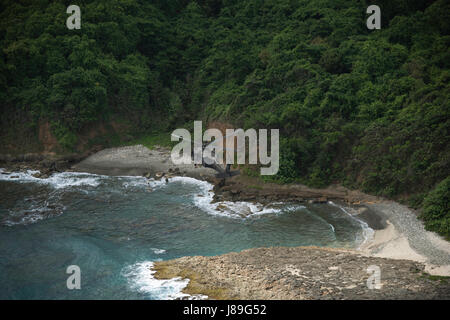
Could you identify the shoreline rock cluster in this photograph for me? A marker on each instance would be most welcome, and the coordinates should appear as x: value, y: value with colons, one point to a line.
x: 163, y: 175
x: 46, y: 164
x: 243, y: 188
x: 302, y: 273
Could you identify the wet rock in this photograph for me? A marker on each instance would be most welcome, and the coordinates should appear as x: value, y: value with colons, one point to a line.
x: 41, y: 175
x: 47, y: 163
x: 221, y: 183
x: 159, y: 175
x: 222, y: 207
x: 147, y: 175
x: 61, y: 165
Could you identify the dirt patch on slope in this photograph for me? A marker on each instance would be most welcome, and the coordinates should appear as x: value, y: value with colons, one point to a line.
x: 46, y: 137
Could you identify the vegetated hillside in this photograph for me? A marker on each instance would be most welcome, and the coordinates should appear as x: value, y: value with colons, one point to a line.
x: 369, y: 109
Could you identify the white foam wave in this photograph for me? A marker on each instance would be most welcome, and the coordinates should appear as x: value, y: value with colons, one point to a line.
x: 318, y: 217
x: 73, y: 179
x: 18, y: 176
x: 366, y: 231
x: 141, y: 278
x: 203, y: 200
x: 141, y: 182
x: 27, y: 219
x: 158, y: 251
x: 57, y: 180
x: 138, y: 181
x: 238, y: 209
x: 31, y: 215
x: 204, y: 185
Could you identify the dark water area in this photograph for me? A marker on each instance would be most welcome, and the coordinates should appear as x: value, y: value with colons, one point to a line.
x: 113, y: 228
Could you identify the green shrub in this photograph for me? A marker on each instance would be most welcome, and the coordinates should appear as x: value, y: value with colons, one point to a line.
x: 436, y: 209
x: 66, y: 138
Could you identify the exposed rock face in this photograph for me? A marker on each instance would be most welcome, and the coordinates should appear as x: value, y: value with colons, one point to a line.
x: 46, y: 137
x: 302, y: 273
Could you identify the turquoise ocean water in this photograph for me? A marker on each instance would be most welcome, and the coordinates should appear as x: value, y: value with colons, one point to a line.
x: 114, y: 228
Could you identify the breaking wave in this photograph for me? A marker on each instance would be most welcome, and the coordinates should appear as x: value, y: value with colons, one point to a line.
x: 366, y: 233
x: 140, y: 277
x: 56, y: 180
x: 239, y: 209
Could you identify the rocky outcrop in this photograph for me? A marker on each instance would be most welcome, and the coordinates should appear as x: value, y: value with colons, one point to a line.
x: 46, y: 137
x: 243, y: 188
x: 302, y: 273
x: 46, y: 163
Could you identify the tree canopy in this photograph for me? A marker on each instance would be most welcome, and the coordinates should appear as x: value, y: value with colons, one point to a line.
x: 367, y: 108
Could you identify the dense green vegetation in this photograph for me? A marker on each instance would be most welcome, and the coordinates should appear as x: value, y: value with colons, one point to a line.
x: 436, y: 209
x: 369, y: 109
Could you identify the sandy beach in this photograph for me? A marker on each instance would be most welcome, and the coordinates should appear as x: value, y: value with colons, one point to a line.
x: 136, y: 161
x: 405, y: 237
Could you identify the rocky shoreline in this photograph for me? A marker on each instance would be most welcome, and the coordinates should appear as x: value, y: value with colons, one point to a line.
x: 140, y: 161
x: 46, y: 164
x: 302, y: 273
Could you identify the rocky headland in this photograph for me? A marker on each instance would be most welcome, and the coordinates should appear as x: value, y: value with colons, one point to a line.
x: 303, y: 273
